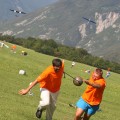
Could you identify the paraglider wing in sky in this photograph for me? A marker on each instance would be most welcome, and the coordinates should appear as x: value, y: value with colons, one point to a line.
x: 89, y: 20
x: 16, y: 11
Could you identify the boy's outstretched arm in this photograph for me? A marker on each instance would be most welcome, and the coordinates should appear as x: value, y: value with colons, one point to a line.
x: 25, y: 91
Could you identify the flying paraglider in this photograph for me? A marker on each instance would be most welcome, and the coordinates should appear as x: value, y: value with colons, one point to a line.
x: 89, y: 20
x: 16, y: 11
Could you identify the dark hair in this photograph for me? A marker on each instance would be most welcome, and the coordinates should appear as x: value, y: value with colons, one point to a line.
x: 99, y: 71
x: 57, y: 62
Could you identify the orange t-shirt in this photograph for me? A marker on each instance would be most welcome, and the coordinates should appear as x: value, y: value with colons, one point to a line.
x: 50, y: 79
x: 93, y: 96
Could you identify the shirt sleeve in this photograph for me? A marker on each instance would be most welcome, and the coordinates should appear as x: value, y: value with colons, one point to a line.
x: 43, y: 76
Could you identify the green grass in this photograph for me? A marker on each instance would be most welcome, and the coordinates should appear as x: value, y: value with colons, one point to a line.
x: 16, y: 107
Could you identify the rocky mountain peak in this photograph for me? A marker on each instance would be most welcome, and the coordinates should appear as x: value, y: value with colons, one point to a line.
x: 105, y: 20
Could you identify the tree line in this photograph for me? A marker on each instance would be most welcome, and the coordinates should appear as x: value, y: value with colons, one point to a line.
x: 50, y: 47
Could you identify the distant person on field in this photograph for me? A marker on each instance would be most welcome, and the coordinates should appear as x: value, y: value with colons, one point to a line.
x: 90, y: 101
x: 50, y: 82
x: 2, y: 44
x: 23, y: 53
x: 13, y: 48
x: 30, y: 91
x: 87, y: 71
x: 73, y: 64
x: 107, y: 74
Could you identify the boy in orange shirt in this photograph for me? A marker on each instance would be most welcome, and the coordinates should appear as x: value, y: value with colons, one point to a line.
x: 92, y: 96
x: 50, y: 82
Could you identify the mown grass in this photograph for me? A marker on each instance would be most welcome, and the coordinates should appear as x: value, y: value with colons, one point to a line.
x: 16, y: 107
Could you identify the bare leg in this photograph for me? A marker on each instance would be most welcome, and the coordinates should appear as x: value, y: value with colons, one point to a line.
x: 78, y: 114
x: 86, y: 116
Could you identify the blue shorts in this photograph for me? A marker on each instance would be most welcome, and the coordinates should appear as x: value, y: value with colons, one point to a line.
x: 89, y: 109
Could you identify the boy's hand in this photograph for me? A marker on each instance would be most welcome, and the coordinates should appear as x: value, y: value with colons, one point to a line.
x: 23, y: 92
x: 86, y: 81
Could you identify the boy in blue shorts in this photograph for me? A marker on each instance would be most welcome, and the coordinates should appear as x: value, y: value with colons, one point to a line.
x: 89, y: 102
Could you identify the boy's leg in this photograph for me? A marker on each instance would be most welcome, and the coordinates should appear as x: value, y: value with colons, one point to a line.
x: 86, y: 116
x: 78, y: 114
x: 44, y: 102
x: 45, y: 98
x: 91, y: 111
x: 81, y: 108
x: 52, y: 106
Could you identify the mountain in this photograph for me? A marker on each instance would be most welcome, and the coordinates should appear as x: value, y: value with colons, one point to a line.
x: 21, y: 5
x: 37, y: 4
x: 64, y: 22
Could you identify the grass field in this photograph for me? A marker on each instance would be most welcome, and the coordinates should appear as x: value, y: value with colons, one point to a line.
x: 16, y: 107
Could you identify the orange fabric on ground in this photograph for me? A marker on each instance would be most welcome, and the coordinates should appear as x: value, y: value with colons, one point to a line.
x: 93, y: 96
x: 51, y: 80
